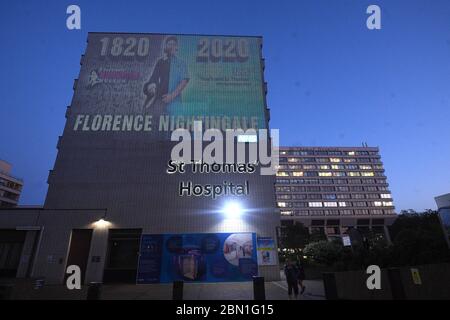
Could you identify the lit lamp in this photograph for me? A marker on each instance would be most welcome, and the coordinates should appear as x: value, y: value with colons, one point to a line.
x: 232, y: 210
x: 101, y: 223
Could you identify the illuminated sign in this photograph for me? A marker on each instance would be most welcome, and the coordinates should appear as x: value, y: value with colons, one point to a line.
x: 152, y: 83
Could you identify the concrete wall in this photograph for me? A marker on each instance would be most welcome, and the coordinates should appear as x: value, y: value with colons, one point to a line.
x: 351, y: 285
x: 53, y: 236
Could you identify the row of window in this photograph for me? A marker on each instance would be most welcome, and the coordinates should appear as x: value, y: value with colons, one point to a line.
x: 327, y: 153
x: 10, y: 184
x: 328, y: 167
x: 334, y: 204
x: 327, y: 160
x: 318, y: 196
x: 345, y: 212
x: 9, y: 195
x: 338, y: 181
x: 331, y: 189
x: 329, y: 174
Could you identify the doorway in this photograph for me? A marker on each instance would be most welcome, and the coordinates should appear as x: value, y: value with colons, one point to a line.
x: 122, y: 256
x: 80, y: 245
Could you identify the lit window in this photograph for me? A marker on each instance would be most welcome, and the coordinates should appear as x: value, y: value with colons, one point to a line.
x: 350, y: 160
x: 287, y: 213
x: 330, y: 204
x: 324, y: 167
x: 342, y: 204
x: 282, y: 204
x: 367, y: 174
x: 351, y: 153
x: 353, y: 174
x: 377, y: 203
x: 387, y: 204
x: 337, y: 167
x: 365, y: 167
x: 297, y: 173
x: 335, y: 160
x: 324, y: 174
x: 338, y: 174
x: 385, y: 196
x: 282, y: 174
x: 315, y: 204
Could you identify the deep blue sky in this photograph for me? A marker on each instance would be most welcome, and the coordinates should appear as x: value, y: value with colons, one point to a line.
x: 332, y: 82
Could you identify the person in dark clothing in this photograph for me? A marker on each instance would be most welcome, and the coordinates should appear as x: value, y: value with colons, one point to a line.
x: 291, y: 273
x: 301, y: 276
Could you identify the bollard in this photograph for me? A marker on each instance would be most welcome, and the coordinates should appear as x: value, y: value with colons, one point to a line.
x: 329, y: 283
x: 395, y: 281
x: 93, y: 292
x: 177, y: 293
x: 39, y: 283
x: 259, y: 292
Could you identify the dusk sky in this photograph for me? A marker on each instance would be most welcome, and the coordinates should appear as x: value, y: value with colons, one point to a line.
x: 332, y: 82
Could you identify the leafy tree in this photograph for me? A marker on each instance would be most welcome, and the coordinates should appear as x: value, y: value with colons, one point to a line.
x: 324, y: 252
x: 418, y: 239
x: 295, y: 236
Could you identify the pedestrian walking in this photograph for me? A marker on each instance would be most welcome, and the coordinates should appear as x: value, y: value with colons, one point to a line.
x: 291, y: 273
x: 300, y: 276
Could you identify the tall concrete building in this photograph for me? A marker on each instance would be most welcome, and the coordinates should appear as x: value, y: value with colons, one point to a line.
x: 333, y: 189
x: 113, y: 206
x: 443, y: 204
x: 10, y: 186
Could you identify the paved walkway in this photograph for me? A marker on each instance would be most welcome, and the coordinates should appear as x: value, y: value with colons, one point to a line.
x: 276, y: 290
x: 210, y: 291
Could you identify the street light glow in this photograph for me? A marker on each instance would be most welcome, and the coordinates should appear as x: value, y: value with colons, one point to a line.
x: 232, y: 210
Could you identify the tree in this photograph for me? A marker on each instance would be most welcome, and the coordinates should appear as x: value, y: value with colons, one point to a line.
x: 324, y: 252
x: 418, y: 239
x: 295, y: 236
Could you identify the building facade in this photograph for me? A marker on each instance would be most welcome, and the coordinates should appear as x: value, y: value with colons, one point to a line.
x: 443, y: 204
x: 10, y: 186
x: 112, y: 207
x: 331, y: 190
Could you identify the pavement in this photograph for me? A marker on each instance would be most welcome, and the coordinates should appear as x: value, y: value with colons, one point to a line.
x: 275, y: 290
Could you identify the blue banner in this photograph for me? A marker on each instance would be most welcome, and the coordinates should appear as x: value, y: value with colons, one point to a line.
x: 201, y: 257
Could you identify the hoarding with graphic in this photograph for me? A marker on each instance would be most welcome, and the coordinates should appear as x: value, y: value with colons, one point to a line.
x: 153, y: 84
x: 203, y: 257
x: 266, y: 251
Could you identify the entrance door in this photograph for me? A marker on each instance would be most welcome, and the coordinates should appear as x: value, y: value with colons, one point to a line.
x: 123, y: 254
x: 80, y: 245
x: 11, y: 244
